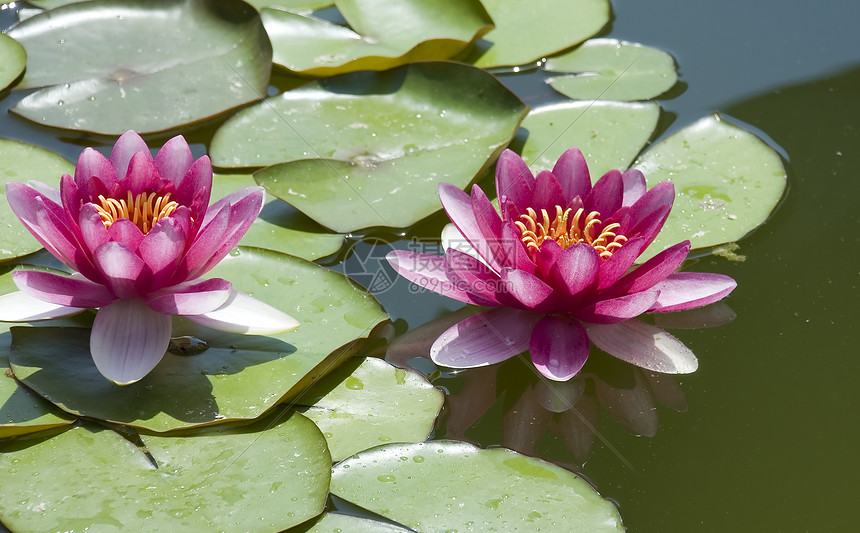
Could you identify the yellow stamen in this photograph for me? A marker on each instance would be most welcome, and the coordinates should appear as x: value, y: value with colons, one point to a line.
x: 144, y: 210
x: 567, y: 231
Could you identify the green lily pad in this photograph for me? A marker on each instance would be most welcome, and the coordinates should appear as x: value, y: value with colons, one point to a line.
x: 13, y: 58
x: 610, y: 134
x: 727, y: 183
x: 384, y: 35
x: 528, y: 31
x: 609, y: 69
x: 365, y: 403
x: 254, y: 478
x: 280, y: 227
x: 389, y: 139
x: 24, y: 162
x: 339, y: 523
x: 237, y: 377
x: 300, y: 6
x: 448, y: 486
x: 21, y: 411
x: 170, y: 64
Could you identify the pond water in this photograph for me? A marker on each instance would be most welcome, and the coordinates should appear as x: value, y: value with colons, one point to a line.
x: 763, y: 436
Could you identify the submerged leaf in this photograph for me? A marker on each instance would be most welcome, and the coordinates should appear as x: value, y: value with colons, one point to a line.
x: 170, y: 64
x: 727, y: 182
x: 384, y: 34
x: 608, y: 69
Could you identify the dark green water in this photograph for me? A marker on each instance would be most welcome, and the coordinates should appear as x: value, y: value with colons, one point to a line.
x: 769, y: 435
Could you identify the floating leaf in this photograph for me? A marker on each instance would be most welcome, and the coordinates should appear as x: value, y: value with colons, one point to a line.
x: 444, y: 486
x: 528, y: 31
x: 727, y: 182
x: 280, y: 227
x: 365, y: 403
x: 170, y: 64
x: 293, y: 5
x: 385, y: 35
x: 340, y: 523
x: 610, y: 134
x: 13, y: 58
x: 390, y: 137
x: 254, y: 478
x: 608, y: 69
x: 24, y: 162
x: 237, y: 377
x: 21, y: 411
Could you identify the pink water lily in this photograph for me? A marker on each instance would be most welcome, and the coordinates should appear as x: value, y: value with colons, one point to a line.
x: 556, y: 265
x: 139, y: 232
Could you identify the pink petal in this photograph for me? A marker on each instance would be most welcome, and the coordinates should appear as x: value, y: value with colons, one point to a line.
x: 607, y: 194
x: 529, y: 290
x: 559, y: 347
x: 484, y: 339
x: 643, y: 345
x: 473, y: 277
x: 657, y: 197
x: 54, y: 228
x: 128, y: 339
x: 162, y: 249
x: 634, y: 186
x: 19, y: 306
x: 26, y: 202
x: 244, y: 314
x: 655, y: 269
x: 514, y: 180
x: 571, y: 170
x: 575, y: 269
x: 687, y: 290
x: 512, y: 252
x: 141, y: 174
x: 428, y: 272
x: 126, y: 146
x: 241, y: 215
x: 490, y: 225
x: 126, y: 232
x: 210, y: 236
x: 617, y: 309
x: 123, y: 271
x: 92, y: 164
x: 68, y: 291
x: 547, y: 194
x: 93, y: 231
x: 458, y: 206
x: 191, y: 298
x: 174, y: 159
x: 612, y: 269
x: 196, y: 184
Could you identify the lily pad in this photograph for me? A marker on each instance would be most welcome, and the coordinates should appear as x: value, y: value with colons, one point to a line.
x: 446, y: 486
x: 21, y: 411
x: 609, y: 69
x: 528, y: 31
x: 13, y: 58
x: 24, y: 162
x: 239, y: 377
x: 365, y: 403
x: 610, y: 134
x: 727, y: 183
x: 389, y: 139
x: 280, y: 227
x: 170, y: 64
x: 339, y: 523
x: 299, y: 6
x: 261, y: 477
x: 384, y: 35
